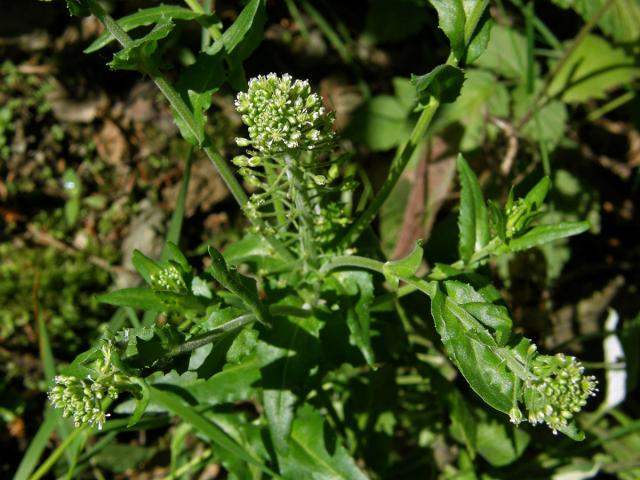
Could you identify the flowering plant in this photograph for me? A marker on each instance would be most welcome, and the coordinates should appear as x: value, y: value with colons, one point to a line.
x: 302, y: 319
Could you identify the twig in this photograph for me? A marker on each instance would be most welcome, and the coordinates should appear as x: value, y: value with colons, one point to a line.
x: 512, y: 144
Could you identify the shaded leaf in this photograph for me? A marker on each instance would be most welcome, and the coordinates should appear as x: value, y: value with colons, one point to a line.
x: 443, y: 82
x: 594, y: 68
x: 316, y: 453
x: 360, y: 286
x: 502, y: 443
x: 621, y: 21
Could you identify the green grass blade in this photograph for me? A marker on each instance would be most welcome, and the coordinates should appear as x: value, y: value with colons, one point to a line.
x: 36, y: 447
x: 217, y: 436
x: 175, y: 224
x: 56, y: 454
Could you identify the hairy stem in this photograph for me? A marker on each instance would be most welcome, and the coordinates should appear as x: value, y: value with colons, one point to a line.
x: 304, y: 212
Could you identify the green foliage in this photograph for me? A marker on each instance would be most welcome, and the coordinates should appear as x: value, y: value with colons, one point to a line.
x: 285, y: 354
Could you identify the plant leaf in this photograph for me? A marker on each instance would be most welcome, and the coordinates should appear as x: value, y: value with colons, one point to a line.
x: 405, y: 267
x: 232, y: 282
x: 443, y: 82
x: 147, y: 16
x: 315, y: 452
x: 547, y: 233
x: 147, y: 299
x: 213, y: 432
x: 473, y: 219
x: 358, y: 285
x: 470, y: 349
x: 621, y: 21
x: 139, y: 54
x: 594, y: 68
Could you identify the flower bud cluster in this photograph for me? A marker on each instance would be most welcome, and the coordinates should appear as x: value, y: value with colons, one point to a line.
x: 558, y: 391
x: 282, y: 114
x: 82, y: 398
x: 169, y: 279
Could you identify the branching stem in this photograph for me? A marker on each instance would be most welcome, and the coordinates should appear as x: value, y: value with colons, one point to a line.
x: 185, y: 114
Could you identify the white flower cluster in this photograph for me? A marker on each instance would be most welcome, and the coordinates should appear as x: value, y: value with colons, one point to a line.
x: 82, y: 398
x: 282, y: 115
x: 559, y: 391
x: 169, y: 279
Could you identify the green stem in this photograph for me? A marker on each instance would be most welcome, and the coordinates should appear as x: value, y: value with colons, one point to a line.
x: 185, y: 114
x: 405, y: 152
x: 212, y: 29
x: 281, y: 216
x: 398, y: 165
x: 340, y: 261
x: 57, y: 453
x: 304, y: 212
x: 232, y: 325
x: 542, y: 96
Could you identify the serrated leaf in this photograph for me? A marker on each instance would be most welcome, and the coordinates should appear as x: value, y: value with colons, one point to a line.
x: 473, y: 219
x: 443, y: 82
x: 470, y: 349
x: 231, y: 281
x: 144, y: 17
x: 139, y: 53
x: 547, y: 233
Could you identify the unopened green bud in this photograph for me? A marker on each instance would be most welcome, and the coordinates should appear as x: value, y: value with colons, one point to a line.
x: 240, y: 161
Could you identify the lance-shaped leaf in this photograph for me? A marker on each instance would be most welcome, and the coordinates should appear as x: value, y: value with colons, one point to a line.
x: 473, y: 219
x: 547, y: 233
x: 237, y: 285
